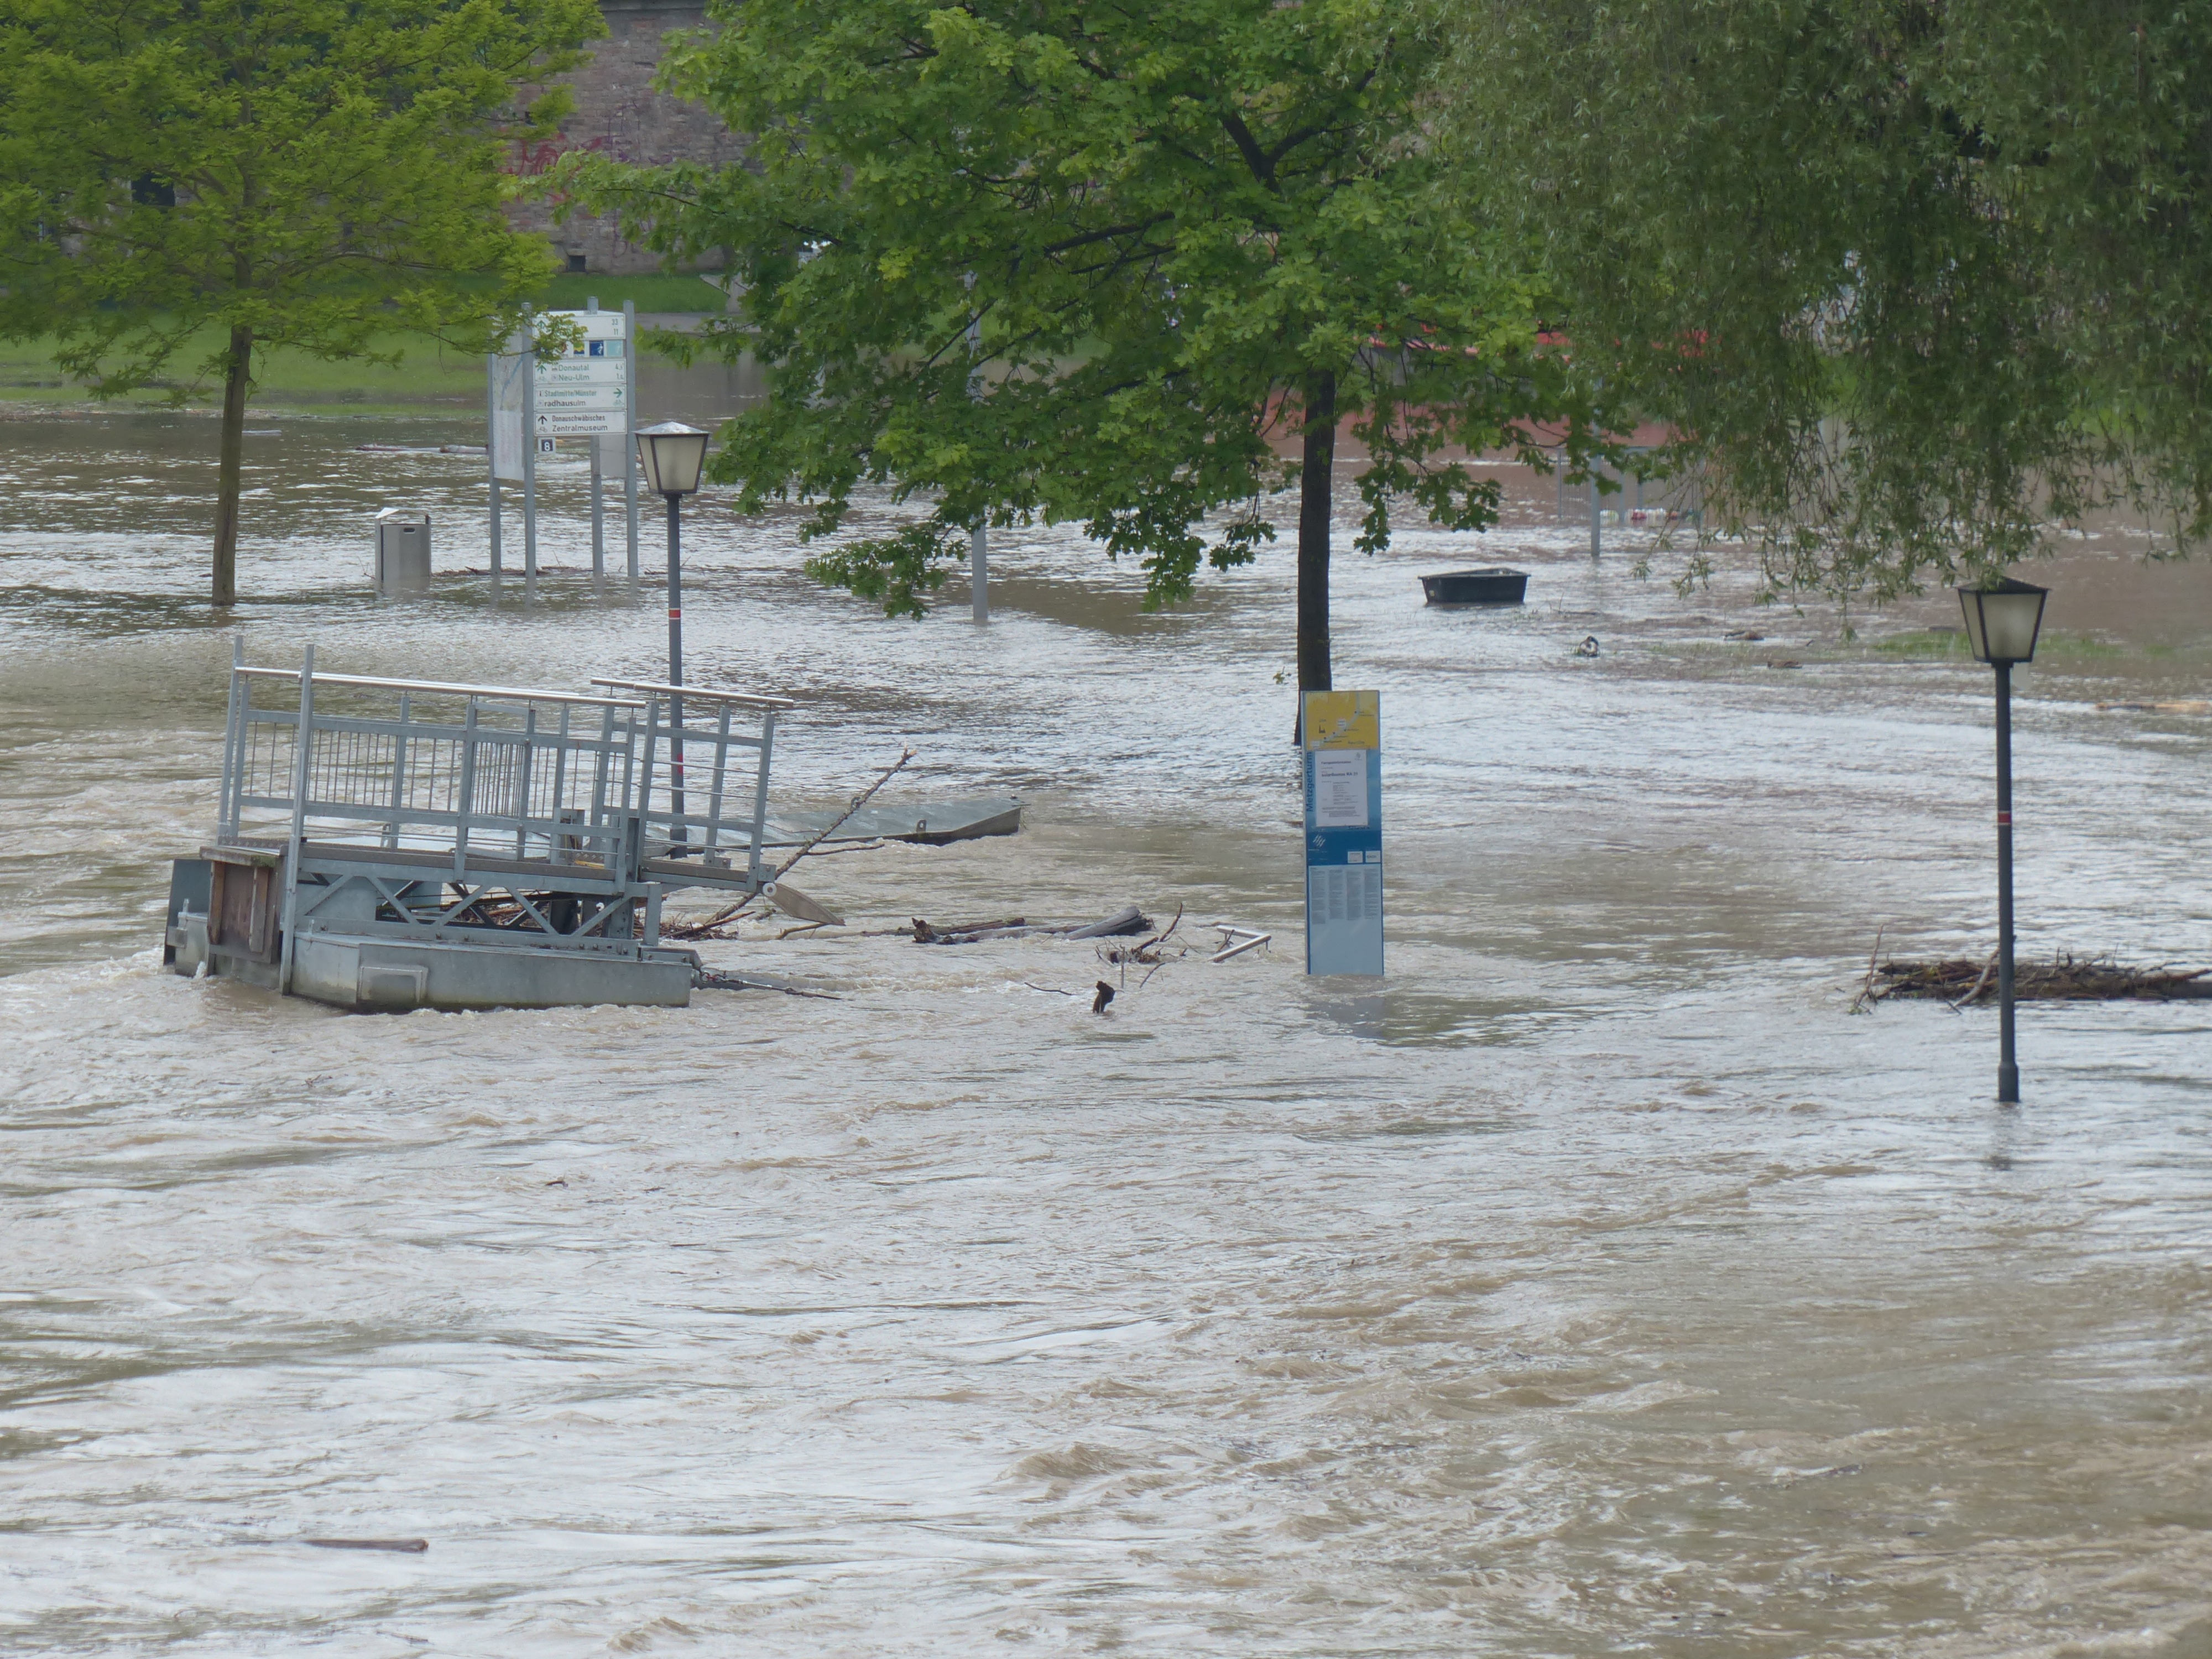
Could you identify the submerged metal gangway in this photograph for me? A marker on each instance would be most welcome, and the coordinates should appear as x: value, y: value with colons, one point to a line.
x: 398, y: 843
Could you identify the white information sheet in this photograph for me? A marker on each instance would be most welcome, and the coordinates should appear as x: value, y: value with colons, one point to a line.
x: 1341, y: 789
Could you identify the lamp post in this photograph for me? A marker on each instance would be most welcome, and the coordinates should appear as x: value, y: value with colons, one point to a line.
x: 2003, y: 621
x: 670, y: 455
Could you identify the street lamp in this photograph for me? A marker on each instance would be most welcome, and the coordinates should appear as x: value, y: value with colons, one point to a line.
x: 672, y: 454
x: 2003, y: 621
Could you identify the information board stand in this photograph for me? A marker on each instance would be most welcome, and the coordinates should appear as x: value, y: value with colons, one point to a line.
x: 585, y: 392
x: 1344, y: 832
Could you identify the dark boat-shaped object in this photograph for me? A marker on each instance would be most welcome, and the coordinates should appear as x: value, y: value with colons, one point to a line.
x: 1494, y: 585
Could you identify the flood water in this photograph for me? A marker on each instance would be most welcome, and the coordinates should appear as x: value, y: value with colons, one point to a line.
x: 1597, y: 1283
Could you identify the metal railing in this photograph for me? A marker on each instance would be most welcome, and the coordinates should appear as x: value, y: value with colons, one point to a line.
x: 697, y: 798
x: 645, y: 774
x: 427, y: 811
x: 469, y: 769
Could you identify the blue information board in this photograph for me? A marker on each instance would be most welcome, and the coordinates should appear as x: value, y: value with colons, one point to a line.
x: 1344, y: 832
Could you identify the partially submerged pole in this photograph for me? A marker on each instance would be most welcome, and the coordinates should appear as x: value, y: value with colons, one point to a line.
x: 598, y: 500
x: 2008, y: 1062
x: 630, y: 431
x: 979, y: 539
x: 676, y: 666
x: 530, y: 468
x: 491, y: 455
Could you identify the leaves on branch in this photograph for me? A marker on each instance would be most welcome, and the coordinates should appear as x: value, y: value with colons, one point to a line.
x: 1030, y: 261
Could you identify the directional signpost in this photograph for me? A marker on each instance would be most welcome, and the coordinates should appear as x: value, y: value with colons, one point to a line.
x: 1344, y: 832
x: 585, y: 393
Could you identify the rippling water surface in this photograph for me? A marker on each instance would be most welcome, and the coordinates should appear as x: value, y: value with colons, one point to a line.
x: 1595, y: 1284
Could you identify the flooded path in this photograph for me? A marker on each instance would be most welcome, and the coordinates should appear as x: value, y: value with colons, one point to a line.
x: 1596, y: 1283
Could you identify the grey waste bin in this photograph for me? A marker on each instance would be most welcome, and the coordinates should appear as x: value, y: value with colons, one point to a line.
x: 402, y: 550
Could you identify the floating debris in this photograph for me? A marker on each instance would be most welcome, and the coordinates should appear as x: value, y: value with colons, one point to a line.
x: 2065, y: 978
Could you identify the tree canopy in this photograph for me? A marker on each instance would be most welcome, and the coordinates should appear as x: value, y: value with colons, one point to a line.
x: 1913, y: 278
x: 224, y: 176
x: 1129, y: 267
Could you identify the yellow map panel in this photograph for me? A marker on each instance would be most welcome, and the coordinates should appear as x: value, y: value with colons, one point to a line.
x: 1344, y: 720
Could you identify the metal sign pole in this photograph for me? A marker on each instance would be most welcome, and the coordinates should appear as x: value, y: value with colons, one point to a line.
x: 491, y: 457
x: 598, y: 499
x: 630, y: 429
x: 530, y: 469
x: 1343, y: 755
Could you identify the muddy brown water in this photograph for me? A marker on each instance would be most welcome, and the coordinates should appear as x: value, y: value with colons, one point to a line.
x: 1595, y: 1283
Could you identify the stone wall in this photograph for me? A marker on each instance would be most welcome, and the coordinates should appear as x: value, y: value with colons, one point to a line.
x: 619, y: 114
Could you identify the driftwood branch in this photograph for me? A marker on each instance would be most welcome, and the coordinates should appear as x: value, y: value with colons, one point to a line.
x: 1959, y: 980
x: 731, y: 913
x: 1980, y: 980
x: 851, y: 807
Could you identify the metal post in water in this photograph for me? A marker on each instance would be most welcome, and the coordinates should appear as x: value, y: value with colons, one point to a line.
x: 530, y: 470
x: 491, y: 450
x: 225, y: 829
x: 1596, y: 525
x: 676, y: 669
x: 303, y: 751
x: 630, y: 429
x: 2008, y: 1064
x: 598, y: 504
x: 598, y: 521
x: 979, y: 539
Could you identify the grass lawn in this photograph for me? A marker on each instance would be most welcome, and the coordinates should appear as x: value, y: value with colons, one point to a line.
x: 428, y: 377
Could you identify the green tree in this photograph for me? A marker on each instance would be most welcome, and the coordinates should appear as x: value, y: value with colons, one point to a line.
x: 1127, y: 267
x: 317, y: 174
x: 1913, y: 278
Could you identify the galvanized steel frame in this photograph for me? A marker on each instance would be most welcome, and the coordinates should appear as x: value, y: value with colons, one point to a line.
x: 520, y: 792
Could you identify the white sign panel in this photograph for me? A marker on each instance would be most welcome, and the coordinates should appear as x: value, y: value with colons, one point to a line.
x: 585, y: 393
x: 586, y: 396
x: 596, y: 325
x: 582, y: 422
x: 1341, y: 789
x: 579, y: 372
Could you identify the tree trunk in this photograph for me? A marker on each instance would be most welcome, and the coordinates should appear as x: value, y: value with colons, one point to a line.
x: 1313, y: 482
x: 237, y: 381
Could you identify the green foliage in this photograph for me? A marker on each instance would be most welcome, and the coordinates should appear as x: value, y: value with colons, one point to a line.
x: 314, y: 170
x: 897, y: 568
x: 1180, y: 234
x: 316, y: 175
x: 1912, y: 280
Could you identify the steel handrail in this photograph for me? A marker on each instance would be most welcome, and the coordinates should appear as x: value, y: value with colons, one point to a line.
x: 503, y: 693
x: 697, y: 693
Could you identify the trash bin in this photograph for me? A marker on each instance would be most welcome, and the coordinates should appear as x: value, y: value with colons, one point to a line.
x: 402, y: 550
